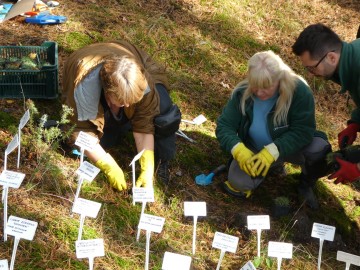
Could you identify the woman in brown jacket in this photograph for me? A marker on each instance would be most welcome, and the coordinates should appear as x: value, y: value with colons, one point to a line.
x: 114, y: 87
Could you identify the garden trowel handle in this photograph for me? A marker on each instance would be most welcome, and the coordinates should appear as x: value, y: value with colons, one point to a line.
x: 219, y: 169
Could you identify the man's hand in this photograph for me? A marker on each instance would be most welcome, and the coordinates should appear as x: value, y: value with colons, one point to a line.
x: 348, y: 135
x: 260, y: 163
x: 242, y: 154
x: 348, y: 172
x: 114, y: 174
x: 147, y: 169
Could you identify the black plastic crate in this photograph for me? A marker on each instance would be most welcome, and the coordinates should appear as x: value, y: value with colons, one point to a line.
x: 28, y: 83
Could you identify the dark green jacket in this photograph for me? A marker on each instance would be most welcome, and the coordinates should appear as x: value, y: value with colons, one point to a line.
x: 349, y: 74
x: 233, y: 126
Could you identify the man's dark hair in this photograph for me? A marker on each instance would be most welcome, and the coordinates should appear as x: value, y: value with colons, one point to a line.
x: 318, y: 40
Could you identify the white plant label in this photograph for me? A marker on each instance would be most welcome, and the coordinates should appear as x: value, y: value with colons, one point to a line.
x: 4, y: 265
x: 21, y: 228
x: 138, y: 156
x: 89, y: 248
x: 87, y: 171
x: 143, y: 194
x: 248, y: 266
x: 280, y: 250
x: 348, y: 258
x: 23, y: 121
x: 86, y: 141
x: 322, y: 231
x: 199, y: 119
x: 11, y: 179
x: 256, y: 222
x: 225, y: 242
x: 12, y: 145
x: 197, y: 209
x: 173, y: 261
x: 86, y: 207
x: 151, y: 223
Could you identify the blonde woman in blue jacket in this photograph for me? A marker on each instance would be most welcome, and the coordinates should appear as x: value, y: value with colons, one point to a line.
x: 269, y: 120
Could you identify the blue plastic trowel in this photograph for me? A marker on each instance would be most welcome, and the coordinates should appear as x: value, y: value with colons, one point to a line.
x: 205, y: 180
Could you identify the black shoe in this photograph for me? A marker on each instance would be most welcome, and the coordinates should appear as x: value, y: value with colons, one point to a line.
x: 306, y: 193
x: 163, y: 173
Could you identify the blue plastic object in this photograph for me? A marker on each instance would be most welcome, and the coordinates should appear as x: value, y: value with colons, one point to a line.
x: 204, y: 180
x: 46, y: 19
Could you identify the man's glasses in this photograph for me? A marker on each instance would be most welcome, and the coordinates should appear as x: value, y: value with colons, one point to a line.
x: 312, y: 68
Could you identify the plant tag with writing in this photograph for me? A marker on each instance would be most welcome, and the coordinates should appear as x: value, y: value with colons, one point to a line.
x: 21, y: 228
x: 322, y: 231
x: 151, y: 223
x: 143, y: 194
x: 23, y: 121
x: 225, y: 242
x: 280, y: 250
x: 173, y: 261
x: 86, y: 207
x: 4, y: 265
x: 11, y: 179
x: 256, y: 222
x: 89, y: 248
x: 12, y: 145
x: 197, y: 209
x: 86, y: 141
x: 87, y: 171
x: 348, y: 258
x: 248, y: 266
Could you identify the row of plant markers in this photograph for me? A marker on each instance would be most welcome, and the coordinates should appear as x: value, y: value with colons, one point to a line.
x: 21, y: 228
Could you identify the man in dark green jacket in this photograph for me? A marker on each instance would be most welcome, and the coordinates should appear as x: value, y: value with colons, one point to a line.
x: 324, y: 54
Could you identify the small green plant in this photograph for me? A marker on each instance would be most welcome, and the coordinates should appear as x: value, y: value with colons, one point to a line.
x: 43, y: 144
x: 282, y: 201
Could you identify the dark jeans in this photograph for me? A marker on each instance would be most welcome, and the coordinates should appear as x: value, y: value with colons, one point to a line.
x: 115, y: 130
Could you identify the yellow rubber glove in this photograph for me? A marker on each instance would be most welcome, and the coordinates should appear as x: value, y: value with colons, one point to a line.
x: 261, y: 162
x: 112, y: 171
x: 147, y: 169
x: 242, y: 154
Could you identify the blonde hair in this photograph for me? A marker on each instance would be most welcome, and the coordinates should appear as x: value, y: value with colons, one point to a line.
x: 264, y: 70
x: 124, y: 78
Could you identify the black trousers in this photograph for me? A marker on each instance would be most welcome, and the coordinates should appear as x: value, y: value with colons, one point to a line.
x: 115, y: 129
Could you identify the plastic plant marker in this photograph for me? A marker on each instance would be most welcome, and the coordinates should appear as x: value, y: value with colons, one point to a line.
x: 85, y: 142
x: 23, y: 121
x: 199, y: 119
x: 195, y: 209
x: 174, y: 261
x: 4, y: 264
x: 20, y: 228
x: 86, y: 171
x: 9, y: 179
x: 323, y: 232
x: 196, y: 121
x: 348, y: 259
x: 90, y: 249
x: 11, y: 147
x: 132, y: 164
x: 280, y: 250
x: 85, y: 208
x: 150, y: 223
x: 248, y: 266
x: 224, y: 242
x: 258, y: 222
x: 142, y: 195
